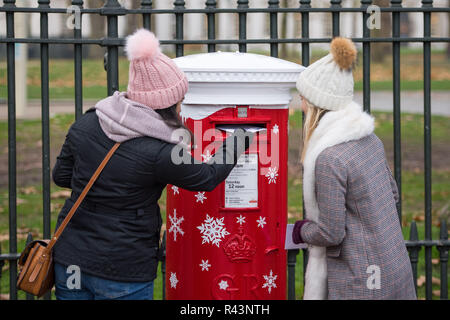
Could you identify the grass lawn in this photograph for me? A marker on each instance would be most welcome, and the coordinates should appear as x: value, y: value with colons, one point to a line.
x: 29, y: 209
x: 61, y: 75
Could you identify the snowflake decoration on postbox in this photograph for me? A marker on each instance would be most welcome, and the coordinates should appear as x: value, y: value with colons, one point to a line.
x: 200, y: 197
x: 205, y: 265
x: 213, y: 230
x: 240, y: 219
x: 272, y: 175
x: 207, y: 156
x: 223, y: 285
x: 275, y: 129
x: 270, y: 281
x: 173, y: 280
x: 261, y: 222
x: 176, y: 190
x: 175, y: 225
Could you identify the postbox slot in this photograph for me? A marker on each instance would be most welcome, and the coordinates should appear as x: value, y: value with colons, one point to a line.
x: 250, y: 127
x: 260, y: 129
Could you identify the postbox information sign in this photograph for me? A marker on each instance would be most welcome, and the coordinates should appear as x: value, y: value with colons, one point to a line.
x: 229, y: 243
x: 241, y: 186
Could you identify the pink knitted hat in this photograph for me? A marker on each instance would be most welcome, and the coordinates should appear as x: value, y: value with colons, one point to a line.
x: 154, y: 79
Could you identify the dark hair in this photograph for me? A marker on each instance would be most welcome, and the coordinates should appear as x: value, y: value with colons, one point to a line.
x: 171, y: 118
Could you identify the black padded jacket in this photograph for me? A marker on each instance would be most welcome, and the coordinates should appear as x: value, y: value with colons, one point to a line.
x: 115, y: 232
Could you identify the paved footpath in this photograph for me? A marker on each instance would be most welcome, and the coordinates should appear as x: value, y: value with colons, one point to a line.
x: 411, y: 102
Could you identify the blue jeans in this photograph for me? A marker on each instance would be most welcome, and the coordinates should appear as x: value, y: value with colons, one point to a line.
x: 89, y: 287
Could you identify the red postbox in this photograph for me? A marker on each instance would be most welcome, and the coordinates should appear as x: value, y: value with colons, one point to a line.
x: 229, y: 243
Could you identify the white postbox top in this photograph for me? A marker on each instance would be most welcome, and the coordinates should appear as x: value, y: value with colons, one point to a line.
x: 233, y: 78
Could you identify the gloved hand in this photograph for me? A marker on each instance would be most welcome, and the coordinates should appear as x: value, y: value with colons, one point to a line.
x: 296, y: 233
x: 244, y: 136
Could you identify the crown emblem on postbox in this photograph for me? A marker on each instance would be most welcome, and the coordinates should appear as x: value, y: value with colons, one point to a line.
x: 240, y: 247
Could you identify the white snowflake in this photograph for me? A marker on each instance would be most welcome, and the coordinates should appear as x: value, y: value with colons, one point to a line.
x: 261, y: 222
x: 175, y: 225
x: 223, y: 285
x: 200, y: 197
x: 173, y: 280
x: 270, y: 281
x: 240, y: 219
x: 272, y: 175
x: 205, y: 265
x: 176, y: 190
x: 206, y: 157
x: 213, y: 230
x: 275, y: 129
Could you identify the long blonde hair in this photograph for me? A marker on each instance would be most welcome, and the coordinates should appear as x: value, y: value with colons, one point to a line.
x: 313, y: 116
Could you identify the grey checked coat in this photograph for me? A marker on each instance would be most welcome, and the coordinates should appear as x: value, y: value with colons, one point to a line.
x: 358, y: 223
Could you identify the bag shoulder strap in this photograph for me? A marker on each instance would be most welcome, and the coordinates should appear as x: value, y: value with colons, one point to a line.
x: 81, y: 197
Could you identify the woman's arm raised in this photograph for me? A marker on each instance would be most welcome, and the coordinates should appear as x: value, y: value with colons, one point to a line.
x: 194, y: 176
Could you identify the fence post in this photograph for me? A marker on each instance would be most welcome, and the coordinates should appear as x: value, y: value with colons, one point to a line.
x: 335, y: 4
x: 179, y: 30
x: 366, y: 56
x: 112, y: 9
x: 146, y: 17
x: 162, y: 258
x: 2, y: 263
x: 242, y: 4
x: 414, y: 251
x: 12, y: 159
x: 78, y: 62
x: 396, y: 94
x: 274, y: 4
x: 29, y: 239
x: 291, y: 262
x: 443, y: 258
x: 427, y: 141
x: 211, y: 17
x: 305, y: 4
x: 45, y: 115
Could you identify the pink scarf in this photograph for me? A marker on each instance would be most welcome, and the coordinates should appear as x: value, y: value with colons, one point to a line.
x: 123, y: 119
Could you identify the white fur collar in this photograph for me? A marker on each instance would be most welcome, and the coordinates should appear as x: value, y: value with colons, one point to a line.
x: 335, y: 127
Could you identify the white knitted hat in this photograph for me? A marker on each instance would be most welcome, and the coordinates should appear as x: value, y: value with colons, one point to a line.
x: 328, y: 82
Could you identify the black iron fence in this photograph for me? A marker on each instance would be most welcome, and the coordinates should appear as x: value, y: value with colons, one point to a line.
x: 112, y: 10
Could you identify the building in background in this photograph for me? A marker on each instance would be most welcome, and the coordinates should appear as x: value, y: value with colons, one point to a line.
x: 195, y: 25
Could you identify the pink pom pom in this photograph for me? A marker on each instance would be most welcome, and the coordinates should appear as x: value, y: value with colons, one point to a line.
x: 142, y: 44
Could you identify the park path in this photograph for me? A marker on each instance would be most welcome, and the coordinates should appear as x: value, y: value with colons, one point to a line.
x: 411, y: 102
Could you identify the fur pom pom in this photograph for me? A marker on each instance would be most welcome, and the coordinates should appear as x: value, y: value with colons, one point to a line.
x: 142, y: 44
x: 344, y: 52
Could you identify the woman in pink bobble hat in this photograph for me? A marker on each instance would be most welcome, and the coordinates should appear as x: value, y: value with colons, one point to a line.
x: 109, y: 249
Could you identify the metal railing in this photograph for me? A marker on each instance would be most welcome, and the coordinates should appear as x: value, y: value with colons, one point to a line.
x: 112, y: 10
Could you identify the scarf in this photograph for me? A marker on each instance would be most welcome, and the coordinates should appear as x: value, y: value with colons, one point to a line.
x: 123, y: 119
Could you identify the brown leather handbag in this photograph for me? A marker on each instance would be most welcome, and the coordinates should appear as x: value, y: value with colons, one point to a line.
x: 36, y: 274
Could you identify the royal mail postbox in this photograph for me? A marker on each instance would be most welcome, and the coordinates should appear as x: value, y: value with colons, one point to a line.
x: 229, y: 243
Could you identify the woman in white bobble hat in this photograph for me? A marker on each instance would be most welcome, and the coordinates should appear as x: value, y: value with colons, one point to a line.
x: 113, y: 237
x: 355, y: 243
